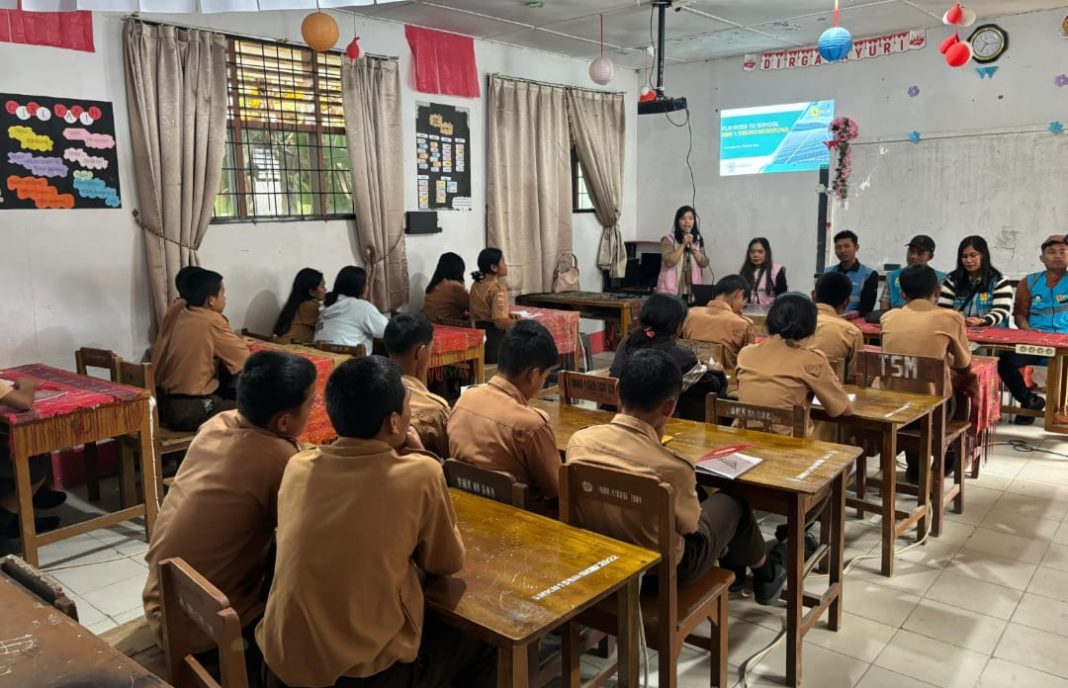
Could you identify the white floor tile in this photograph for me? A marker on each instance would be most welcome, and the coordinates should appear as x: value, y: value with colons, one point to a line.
x: 1042, y: 613
x: 932, y: 660
x: 88, y: 615
x: 1050, y: 583
x: 118, y: 597
x: 908, y: 576
x: 1004, y: 519
x: 857, y: 637
x: 956, y: 626
x: 820, y: 667
x: 991, y: 569
x: 1007, y: 546
x: 878, y: 603
x: 1034, y: 648
x: 102, y: 626
x: 935, y: 553
x: 83, y: 549
x: 878, y: 677
x: 975, y: 595
x: 1002, y: 674
x: 129, y: 615
x: 745, y: 640
x: 86, y: 579
x: 1056, y: 557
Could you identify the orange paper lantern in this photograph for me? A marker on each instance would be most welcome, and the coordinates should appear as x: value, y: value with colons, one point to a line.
x: 320, y: 31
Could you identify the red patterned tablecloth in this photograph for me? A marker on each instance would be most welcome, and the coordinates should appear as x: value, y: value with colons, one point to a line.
x: 65, y: 393
x: 319, y: 430
x: 990, y: 335
x: 562, y: 325
x: 454, y: 340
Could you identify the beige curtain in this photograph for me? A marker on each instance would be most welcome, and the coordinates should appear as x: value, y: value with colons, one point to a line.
x: 528, y: 179
x: 597, y: 123
x: 371, y: 90
x: 176, y: 96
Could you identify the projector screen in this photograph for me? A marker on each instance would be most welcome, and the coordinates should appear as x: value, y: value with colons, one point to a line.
x: 775, y: 138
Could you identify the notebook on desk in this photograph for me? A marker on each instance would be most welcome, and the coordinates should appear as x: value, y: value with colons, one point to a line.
x: 727, y: 462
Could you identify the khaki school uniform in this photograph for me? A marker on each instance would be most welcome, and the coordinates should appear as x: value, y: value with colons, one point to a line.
x: 220, y: 514
x: 492, y: 427
x: 167, y: 326
x: 921, y: 328
x: 357, y: 523
x: 185, y: 358
x: 719, y: 324
x: 5, y: 389
x: 430, y: 414
x: 785, y: 374
x: 837, y: 338
x: 448, y: 300
x: 302, y: 329
x: 489, y: 300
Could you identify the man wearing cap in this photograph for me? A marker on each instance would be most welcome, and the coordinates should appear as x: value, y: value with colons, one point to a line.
x: 920, y: 252
x: 1041, y: 304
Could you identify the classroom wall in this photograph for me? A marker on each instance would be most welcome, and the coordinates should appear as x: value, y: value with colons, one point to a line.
x: 874, y: 92
x: 77, y: 278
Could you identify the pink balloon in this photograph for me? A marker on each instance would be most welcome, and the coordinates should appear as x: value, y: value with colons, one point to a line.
x: 959, y: 54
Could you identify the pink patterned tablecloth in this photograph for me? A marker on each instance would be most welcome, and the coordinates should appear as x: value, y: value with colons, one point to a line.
x: 990, y: 335
x: 60, y: 392
x: 562, y: 325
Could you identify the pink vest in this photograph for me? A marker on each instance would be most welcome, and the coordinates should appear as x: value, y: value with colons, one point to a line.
x: 668, y: 282
x: 761, y: 297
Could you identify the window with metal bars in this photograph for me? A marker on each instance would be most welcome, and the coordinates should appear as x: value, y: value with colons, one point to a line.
x: 286, y: 153
x: 580, y: 195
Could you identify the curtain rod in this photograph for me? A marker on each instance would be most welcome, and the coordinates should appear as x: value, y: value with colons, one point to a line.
x: 283, y: 41
x: 549, y: 83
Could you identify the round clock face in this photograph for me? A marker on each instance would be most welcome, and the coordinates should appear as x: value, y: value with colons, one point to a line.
x: 988, y: 43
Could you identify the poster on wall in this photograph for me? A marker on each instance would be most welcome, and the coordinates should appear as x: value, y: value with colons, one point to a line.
x: 443, y: 154
x: 57, y: 153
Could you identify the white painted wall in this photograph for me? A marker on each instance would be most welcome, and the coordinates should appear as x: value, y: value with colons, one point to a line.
x: 77, y: 278
x: 782, y: 207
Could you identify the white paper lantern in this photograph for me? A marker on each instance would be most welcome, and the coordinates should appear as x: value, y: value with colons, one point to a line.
x: 602, y: 71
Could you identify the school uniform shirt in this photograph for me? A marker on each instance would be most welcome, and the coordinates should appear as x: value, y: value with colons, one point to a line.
x: 837, y: 338
x: 632, y: 445
x: 489, y: 300
x: 923, y: 329
x: 492, y: 427
x: 430, y: 414
x: 357, y: 523
x: 448, y: 300
x: 167, y: 326
x: 350, y: 322
x: 5, y: 389
x: 718, y: 323
x: 992, y: 302
x: 302, y: 329
x: 785, y: 374
x: 220, y: 514
x: 184, y: 358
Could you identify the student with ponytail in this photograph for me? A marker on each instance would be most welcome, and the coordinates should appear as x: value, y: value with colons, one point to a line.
x: 489, y: 295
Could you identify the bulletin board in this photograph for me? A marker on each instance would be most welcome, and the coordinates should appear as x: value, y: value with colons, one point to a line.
x: 443, y: 155
x: 57, y: 153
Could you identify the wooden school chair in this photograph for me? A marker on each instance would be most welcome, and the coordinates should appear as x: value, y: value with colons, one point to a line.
x: 948, y: 431
x: 358, y: 351
x: 189, y: 599
x: 455, y: 322
x: 99, y: 359
x: 756, y: 417
x: 496, y: 485
x: 43, y: 586
x: 604, y: 391
x: 703, y: 350
x: 670, y: 615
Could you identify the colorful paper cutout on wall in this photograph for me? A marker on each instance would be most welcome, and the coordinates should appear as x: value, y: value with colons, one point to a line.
x: 57, y: 153
x: 442, y: 149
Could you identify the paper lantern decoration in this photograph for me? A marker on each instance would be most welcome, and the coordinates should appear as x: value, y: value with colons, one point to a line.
x: 959, y: 54
x: 835, y: 44
x: 949, y: 43
x: 352, y: 50
x: 647, y: 94
x: 602, y: 71
x: 953, y: 15
x: 320, y: 31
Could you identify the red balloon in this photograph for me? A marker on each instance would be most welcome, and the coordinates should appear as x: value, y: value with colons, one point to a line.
x: 953, y: 16
x: 95, y: 112
x: 651, y: 95
x: 77, y: 110
x: 959, y: 54
x: 352, y: 50
x: 11, y: 107
x: 949, y: 43
x: 31, y: 107
x: 60, y: 109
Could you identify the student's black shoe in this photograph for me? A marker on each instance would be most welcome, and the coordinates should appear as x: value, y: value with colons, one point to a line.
x: 42, y: 524
x: 1034, y: 403
x: 812, y: 543
x: 767, y: 592
x: 740, y: 576
x: 45, y: 498
x: 912, y: 474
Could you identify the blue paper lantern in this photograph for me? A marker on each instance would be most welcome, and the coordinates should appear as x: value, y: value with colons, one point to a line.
x: 835, y: 44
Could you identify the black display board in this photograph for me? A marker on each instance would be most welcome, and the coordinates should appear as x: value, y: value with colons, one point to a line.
x: 443, y: 151
x: 57, y: 153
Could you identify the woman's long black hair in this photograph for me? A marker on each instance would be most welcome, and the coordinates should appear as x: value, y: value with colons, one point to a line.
x: 306, y: 281
x: 350, y: 281
x: 450, y: 267
x: 987, y: 272
x: 487, y: 258
x: 658, y: 322
x: 750, y: 273
x: 698, y: 240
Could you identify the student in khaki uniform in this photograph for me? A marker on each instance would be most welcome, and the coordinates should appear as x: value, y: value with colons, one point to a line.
x: 708, y: 527
x: 221, y: 512
x: 409, y: 340
x: 721, y: 321
x: 179, y: 304
x: 921, y: 328
x: 491, y: 425
x: 782, y: 372
x: 446, y: 295
x: 489, y: 296
x: 298, y: 318
x: 361, y: 523
x: 835, y: 336
x: 189, y: 358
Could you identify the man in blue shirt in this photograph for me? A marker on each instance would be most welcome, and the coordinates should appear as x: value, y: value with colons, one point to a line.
x: 920, y: 252
x: 865, y: 280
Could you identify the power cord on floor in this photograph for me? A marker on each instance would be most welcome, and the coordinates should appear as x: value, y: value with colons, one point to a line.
x: 1025, y: 447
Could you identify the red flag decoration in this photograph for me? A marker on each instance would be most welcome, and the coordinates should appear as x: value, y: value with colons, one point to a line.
x: 444, y: 62
x: 70, y: 30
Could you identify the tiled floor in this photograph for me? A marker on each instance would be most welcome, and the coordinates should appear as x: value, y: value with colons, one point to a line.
x: 985, y: 605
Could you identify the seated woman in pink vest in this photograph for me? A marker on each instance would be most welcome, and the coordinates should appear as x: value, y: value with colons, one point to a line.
x: 682, y: 256
x: 766, y: 278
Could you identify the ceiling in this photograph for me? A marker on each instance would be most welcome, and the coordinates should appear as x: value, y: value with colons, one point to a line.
x: 702, y: 30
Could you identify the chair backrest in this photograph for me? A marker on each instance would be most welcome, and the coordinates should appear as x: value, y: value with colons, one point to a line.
x: 584, y: 486
x: 245, y: 332
x: 576, y: 386
x: 496, y: 485
x: 358, y: 351
x: 189, y: 598
x: 87, y: 357
x: 754, y: 416
x: 838, y: 365
x: 39, y: 583
x: 703, y: 350
x: 133, y: 374
x: 903, y: 373
x: 456, y: 322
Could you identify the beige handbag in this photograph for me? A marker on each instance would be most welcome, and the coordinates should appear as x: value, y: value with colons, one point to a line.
x: 566, y: 274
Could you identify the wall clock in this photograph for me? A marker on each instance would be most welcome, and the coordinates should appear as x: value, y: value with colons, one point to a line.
x: 989, y: 42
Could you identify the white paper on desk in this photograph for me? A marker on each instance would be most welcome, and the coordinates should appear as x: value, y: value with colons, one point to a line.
x: 523, y: 314
x: 730, y: 466
x: 816, y: 400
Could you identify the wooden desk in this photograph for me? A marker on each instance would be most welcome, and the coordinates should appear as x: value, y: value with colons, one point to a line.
x: 797, y: 477
x: 89, y: 410
x: 454, y: 345
x: 42, y: 648
x: 621, y: 309
x: 886, y: 412
x: 525, y: 575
